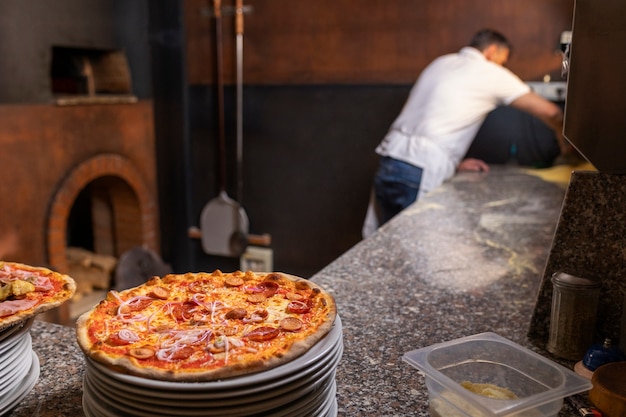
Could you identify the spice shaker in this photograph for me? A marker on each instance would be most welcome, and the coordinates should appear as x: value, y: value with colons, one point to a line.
x: 573, y: 318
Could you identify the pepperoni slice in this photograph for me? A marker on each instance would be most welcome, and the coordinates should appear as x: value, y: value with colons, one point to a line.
x: 298, y: 307
x: 236, y: 314
x: 267, y: 288
x: 182, y: 353
x: 182, y: 311
x: 159, y: 292
x: 122, y: 338
x: 141, y: 353
x: 135, y: 304
x: 234, y: 281
x: 260, y: 313
x: 261, y: 334
x: 291, y: 324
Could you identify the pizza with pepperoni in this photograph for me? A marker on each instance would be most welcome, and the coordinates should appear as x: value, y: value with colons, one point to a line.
x: 26, y: 291
x: 206, y: 326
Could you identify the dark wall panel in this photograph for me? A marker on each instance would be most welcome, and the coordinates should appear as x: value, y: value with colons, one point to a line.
x: 308, y: 162
x: 174, y: 169
x: 369, y: 41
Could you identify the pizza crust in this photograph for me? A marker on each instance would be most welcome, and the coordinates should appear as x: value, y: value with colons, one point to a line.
x: 66, y: 292
x: 251, y: 364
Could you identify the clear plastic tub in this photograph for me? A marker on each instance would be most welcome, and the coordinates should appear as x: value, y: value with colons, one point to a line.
x: 539, y: 384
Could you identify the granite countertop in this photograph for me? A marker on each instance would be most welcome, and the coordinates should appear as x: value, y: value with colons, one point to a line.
x: 468, y: 258
x: 58, y: 393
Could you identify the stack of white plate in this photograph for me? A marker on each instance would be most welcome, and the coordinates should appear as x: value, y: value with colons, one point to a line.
x: 303, y: 387
x: 19, y: 365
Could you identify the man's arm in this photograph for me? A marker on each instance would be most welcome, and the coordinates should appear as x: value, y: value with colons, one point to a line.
x: 547, y: 112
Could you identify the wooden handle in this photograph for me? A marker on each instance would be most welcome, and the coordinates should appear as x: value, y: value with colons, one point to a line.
x: 194, y: 232
x: 239, y: 17
x: 258, y: 240
x: 217, y: 8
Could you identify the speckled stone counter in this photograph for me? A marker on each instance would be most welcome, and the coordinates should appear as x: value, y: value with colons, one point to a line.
x: 58, y: 393
x: 466, y: 259
x: 589, y: 242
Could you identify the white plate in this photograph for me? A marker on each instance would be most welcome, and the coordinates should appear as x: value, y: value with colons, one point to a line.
x: 14, y: 355
x: 12, y: 398
x: 329, y: 396
x: 10, y: 342
x: 14, y: 378
x: 93, y: 401
x: 305, y: 388
x: 333, y: 410
x: 101, y: 404
x: 87, y: 407
x: 16, y: 373
x: 237, y: 396
x: 19, y: 327
x: 330, y: 406
x: 93, y: 408
x: 312, y: 356
x: 301, y: 386
x: 181, y: 407
x: 307, y: 406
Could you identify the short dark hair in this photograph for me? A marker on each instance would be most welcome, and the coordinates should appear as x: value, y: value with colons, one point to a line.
x: 486, y: 37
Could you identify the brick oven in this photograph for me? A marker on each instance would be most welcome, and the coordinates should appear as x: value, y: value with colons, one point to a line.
x: 64, y: 164
x: 77, y: 164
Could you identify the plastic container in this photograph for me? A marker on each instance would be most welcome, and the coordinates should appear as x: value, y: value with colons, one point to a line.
x: 487, y: 358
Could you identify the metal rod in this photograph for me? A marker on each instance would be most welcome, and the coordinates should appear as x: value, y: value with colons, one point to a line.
x: 225, y: 11
x: 239, y: 46
x: 220, y: 94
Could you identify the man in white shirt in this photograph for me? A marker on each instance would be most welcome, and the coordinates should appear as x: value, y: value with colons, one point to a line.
x: 447, y: 105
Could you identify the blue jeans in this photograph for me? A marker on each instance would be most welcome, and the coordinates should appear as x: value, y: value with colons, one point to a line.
x: 396, y: 186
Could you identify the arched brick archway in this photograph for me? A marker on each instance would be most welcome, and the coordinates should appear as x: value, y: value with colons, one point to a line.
x: 134, y: 198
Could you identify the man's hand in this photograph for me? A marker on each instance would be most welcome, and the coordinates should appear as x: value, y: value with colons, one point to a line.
x: 472, y: 164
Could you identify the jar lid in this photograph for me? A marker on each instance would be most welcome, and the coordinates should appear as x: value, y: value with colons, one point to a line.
x: 561, y: 278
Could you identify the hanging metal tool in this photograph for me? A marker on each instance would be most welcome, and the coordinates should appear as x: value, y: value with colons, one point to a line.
x: 239, y: 52
x: 239, y: 239
x: 223, y: 222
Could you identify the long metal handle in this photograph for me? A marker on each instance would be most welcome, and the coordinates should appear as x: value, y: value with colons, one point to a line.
x: 239, y: 46
x: 217, y: 9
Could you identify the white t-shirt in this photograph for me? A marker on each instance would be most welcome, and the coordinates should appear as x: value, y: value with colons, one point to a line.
x: 444, y: 110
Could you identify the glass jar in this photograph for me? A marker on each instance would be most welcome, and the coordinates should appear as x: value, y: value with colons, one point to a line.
x: 573, y: 318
